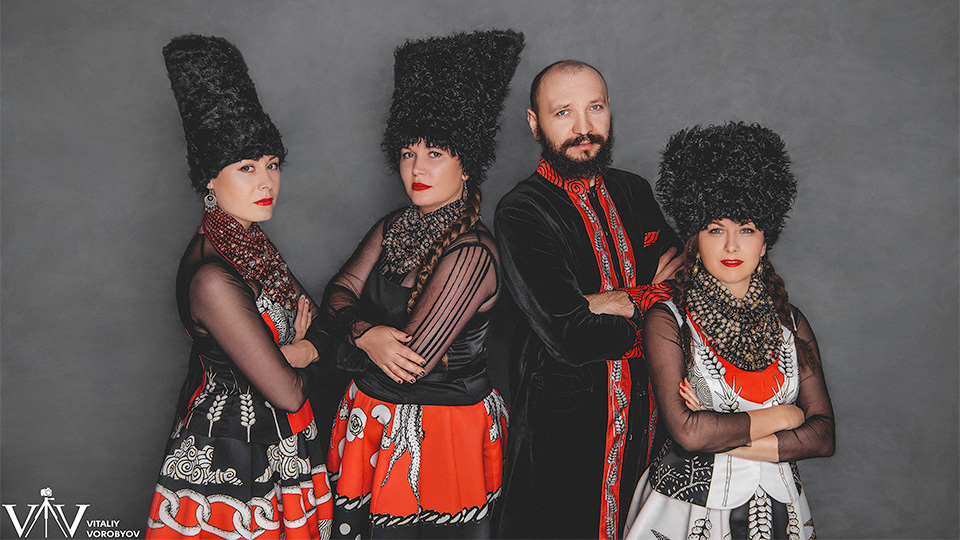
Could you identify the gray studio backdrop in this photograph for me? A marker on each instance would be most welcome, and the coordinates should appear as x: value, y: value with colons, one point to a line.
x: 96, y: 208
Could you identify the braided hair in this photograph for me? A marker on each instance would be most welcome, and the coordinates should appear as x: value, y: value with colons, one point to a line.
x: 469, y: 219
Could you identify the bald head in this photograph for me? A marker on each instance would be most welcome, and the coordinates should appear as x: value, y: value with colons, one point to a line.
x: 570, y: 116
x: 562, y: 66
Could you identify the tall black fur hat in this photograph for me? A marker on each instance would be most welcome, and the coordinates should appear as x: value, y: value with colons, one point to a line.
x: 223, y: 120
x: 449, y: 91
x: 736, y: 171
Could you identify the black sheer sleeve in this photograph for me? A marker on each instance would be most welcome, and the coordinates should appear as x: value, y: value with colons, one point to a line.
x: 463, y: 283
x: 224, y: 306
x: 816, y: 437
x: 695, y: 431
x: 341, y: 299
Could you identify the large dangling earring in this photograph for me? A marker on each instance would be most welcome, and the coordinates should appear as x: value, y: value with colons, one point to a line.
x: 761, y: 267
x: 464, y: 196
x: 210, y: 200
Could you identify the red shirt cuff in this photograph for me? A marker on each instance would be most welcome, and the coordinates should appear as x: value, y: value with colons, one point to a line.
x: 643, y: 298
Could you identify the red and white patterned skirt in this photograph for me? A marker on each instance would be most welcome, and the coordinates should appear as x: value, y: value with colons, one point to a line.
x: 220, y: 487
x: 400, y: 469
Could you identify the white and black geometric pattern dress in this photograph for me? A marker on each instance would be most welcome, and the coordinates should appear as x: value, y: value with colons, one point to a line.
x: 710, y: 494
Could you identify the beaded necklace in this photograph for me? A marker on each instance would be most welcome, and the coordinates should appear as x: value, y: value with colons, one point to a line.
x: 410, y: 235
x: 747, y: 332
x: 251, y: 253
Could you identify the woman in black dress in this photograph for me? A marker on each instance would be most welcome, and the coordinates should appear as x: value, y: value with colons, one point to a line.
x: 244, y: 459
x: 417, y: 445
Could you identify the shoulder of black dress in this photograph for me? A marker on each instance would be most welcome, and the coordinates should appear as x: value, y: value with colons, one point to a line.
x: 478, y: 234
x: 214, y: 268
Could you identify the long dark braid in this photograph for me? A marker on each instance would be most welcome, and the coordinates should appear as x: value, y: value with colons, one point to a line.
x: 775, y: 288
x: 683, y: 280
x: 781, y: 302
x: 471, y: 215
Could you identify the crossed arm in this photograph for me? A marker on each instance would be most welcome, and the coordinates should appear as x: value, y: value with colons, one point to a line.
x: 619, y: 302
x: 224, y: 307
x: 463, y: 283
x: 576, y: 327
x: 780, y: 433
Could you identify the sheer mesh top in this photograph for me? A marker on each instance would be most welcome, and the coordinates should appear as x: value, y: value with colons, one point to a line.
x: 709, y: 431
x: 450, y: 317
x: 220, y: 312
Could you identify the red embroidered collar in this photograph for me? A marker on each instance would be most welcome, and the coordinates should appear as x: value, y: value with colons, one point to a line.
x: 576, y: 185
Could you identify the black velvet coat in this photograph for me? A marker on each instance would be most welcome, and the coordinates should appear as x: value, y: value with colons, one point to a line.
x: 558, y: 367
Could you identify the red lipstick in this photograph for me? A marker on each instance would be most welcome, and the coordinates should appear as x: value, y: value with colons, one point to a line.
x: 417, y: 186
x: 732, y: 263
x: 265, y: 202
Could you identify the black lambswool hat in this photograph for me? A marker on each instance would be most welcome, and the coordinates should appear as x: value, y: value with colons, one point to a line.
x: 735, y: 171
x: 449, y: 91
x: 223, y: 120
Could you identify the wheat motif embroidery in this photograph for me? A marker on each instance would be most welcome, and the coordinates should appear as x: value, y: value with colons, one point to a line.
x: 216, y: 409
x: 247, y: 417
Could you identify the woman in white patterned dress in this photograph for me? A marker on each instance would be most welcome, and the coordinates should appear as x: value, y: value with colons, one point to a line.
x: 752, y: 398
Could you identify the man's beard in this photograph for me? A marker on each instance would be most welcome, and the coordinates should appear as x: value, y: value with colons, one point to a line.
x: 569, y: 169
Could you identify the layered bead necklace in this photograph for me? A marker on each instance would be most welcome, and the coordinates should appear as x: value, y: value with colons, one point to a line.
x: 410, y: 235
x: 251, y: 253
x: 747, y: 332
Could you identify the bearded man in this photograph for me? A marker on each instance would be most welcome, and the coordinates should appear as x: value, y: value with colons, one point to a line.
x: 580, y: 243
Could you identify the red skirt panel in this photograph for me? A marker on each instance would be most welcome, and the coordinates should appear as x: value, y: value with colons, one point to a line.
x: 416, y: 464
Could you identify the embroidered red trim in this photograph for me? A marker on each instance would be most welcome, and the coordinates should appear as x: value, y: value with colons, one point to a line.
x: 645, y: 296
x: 650, y: 238
x: 618, y: 371
x: 577, y: 190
